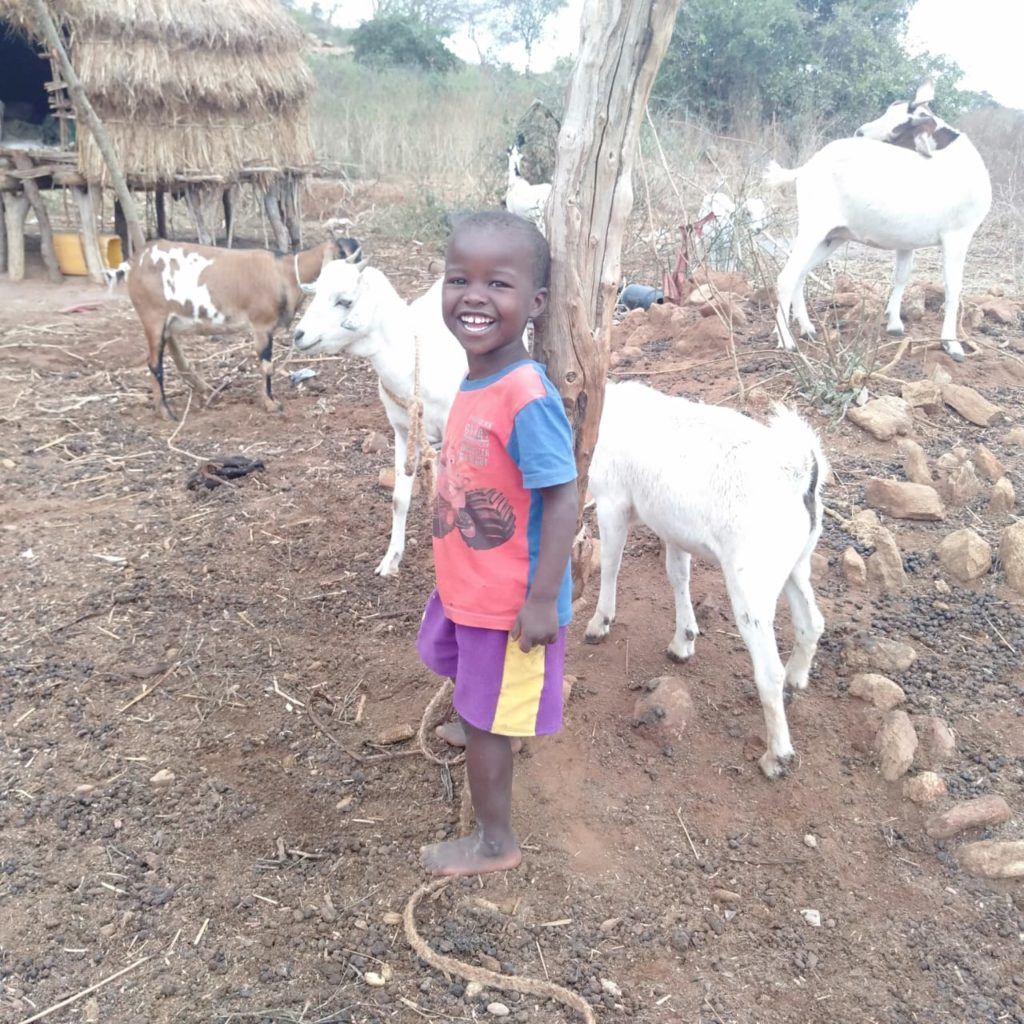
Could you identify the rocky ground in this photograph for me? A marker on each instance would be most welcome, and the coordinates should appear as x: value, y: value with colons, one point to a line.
x: 171, y: 809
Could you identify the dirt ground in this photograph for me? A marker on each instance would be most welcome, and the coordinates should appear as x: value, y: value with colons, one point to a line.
x: 149, y: 628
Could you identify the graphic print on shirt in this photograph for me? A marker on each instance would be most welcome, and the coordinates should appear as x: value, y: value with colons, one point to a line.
x: 484, y: 517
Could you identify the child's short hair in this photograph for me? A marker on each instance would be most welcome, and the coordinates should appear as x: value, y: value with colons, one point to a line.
x: 502, y: 220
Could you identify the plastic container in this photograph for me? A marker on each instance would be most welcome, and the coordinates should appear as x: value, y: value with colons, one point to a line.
x: 71, y: 256
x: 640, y: 296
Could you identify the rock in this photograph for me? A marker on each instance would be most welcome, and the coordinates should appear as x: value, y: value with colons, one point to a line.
x: 701, y: 295
x: 386, y: 480
x: 374, y: 980
x: 630, y: 353
x: 1001, y: 311
x: 1002, y: 499
x: 163, y: 778
x: 391, y: 918
x: 489, y: 963
x: 885, y: 564
x: 91, y: 1010
x: 936, y: 741
x: 86, y: 789
x: 904, y: 501
x: 878, y: 654
x: 965, y: 555
x: 934, y: 296
x: 811, y: 916
x: 609, y: 986
x: 659, y: 313
x: 819, y: 564
x: 940, y: 375
x: 726, y: 896
x: 953, y: 459
x: 913, y: 307
x: 923, y: 394
x: 915, y: 462
x: 943, y: 587
x: 961, y: 486
x: 607, y: 926
x: 498, y: 1010
x: 924, y: 788
x: 981, y: 812
x: 1011, y: 554
x: 864, y: 525
x: 897, y: 742
x: 396, y: 734
x: 878, y: 690
x: 375, y: 442
x: 883, y: 417
x: 991, y: 858
x: 854, y: 570
x: 974, y: 408
x: 1015, y: 436
x: 987, y: 464
x: 811, y: 841
x: 666, y: 709
x: 473, y: 991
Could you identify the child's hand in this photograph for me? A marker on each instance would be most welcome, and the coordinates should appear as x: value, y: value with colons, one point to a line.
x: 536, y: 623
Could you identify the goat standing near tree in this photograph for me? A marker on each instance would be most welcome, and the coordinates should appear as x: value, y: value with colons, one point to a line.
x: 908, y: 181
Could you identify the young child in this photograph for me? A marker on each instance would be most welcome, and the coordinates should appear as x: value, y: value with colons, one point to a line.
x: 504, y: 520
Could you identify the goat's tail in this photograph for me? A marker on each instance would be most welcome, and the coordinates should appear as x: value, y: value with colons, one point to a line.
x: 775, y: 175
x: 801, y: 453
x: 117, y: 275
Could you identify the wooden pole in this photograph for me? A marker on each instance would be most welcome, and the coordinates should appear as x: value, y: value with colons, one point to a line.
x: 90, y: 233
x: 86, y: 114
x: 622, y: 45
x: 272, y: 204
x: 194, y: 200
x: 160, y: 199
x: 32, y: 193
x: 3, y: 237
x: 15, y: 209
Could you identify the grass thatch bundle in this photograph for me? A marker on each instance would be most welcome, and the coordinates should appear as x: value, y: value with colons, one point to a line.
x: 188, y: 87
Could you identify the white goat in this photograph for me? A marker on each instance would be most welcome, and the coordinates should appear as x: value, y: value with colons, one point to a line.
x: 522, y: 198
x: 712, y: 482
x: 356, y: 310
x: 908, y: 182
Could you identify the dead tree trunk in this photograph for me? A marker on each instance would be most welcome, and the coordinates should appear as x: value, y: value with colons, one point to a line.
x: 623, y: 42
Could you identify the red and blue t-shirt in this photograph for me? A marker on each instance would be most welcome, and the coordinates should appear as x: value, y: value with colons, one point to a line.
x: 507, y: 437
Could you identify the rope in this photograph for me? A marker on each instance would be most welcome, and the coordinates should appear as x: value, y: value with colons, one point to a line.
x: 491, y: 979
x: 418, y: 448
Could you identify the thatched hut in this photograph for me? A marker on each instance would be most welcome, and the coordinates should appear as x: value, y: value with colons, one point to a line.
x: 198, y: 98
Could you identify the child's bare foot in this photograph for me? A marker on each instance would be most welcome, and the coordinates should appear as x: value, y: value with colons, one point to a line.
x: 454, y: 734
x: 472, y: 855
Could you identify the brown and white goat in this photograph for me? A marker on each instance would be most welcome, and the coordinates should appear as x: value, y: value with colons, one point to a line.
x: 179, y: 287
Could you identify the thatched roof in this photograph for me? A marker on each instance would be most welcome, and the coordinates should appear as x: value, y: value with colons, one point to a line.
x: 188, y: 88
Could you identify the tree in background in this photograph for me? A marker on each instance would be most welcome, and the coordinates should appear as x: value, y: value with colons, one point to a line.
x: 522, y: 21
x: 828, y: 63
x: 405, y: 41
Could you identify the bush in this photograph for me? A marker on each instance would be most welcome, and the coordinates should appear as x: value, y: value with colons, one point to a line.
x: 404, y: 41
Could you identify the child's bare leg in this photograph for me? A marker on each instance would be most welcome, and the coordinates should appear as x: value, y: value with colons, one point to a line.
x: 493, y: 845
x: 454, y: 734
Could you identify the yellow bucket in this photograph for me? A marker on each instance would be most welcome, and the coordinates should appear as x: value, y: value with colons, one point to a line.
x: 71, y: 257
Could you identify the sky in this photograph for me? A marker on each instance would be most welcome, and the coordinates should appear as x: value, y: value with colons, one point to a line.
x: 982, y: 36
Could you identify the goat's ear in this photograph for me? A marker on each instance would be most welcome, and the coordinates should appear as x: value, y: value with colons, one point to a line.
x: 925, y: 92
x: 520, y: 140
x: 944, y: 136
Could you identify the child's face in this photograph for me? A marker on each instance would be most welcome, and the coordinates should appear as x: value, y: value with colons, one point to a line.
x: 489, y: 294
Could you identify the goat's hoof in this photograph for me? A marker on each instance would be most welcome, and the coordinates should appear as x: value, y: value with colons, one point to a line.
x: 597, y: 630
x: 775, y: 767
x: 895, y: 332
x: 272, y: 406
x: 388, y: 567
x: 680, y: 656
x: 953, y: 350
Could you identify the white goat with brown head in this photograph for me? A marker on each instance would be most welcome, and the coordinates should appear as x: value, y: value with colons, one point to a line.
x: 179, y: 287
x: 909, y: 180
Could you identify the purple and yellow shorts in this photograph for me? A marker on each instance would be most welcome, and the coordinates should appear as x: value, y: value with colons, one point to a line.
x: 498, y: 688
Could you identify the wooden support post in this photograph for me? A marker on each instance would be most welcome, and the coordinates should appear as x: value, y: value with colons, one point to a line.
x: 3, y: 237
x: 90, y: 234
x: 32, y: 193
x: 194, y: 200
x: 160, y: 200
x: 86, y: 115
x: 230, y: 201
x: 290, y: 204
x: 121, y: 227
x: 272, y: 204
x: 621, y: 48
x: 15, y: 209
